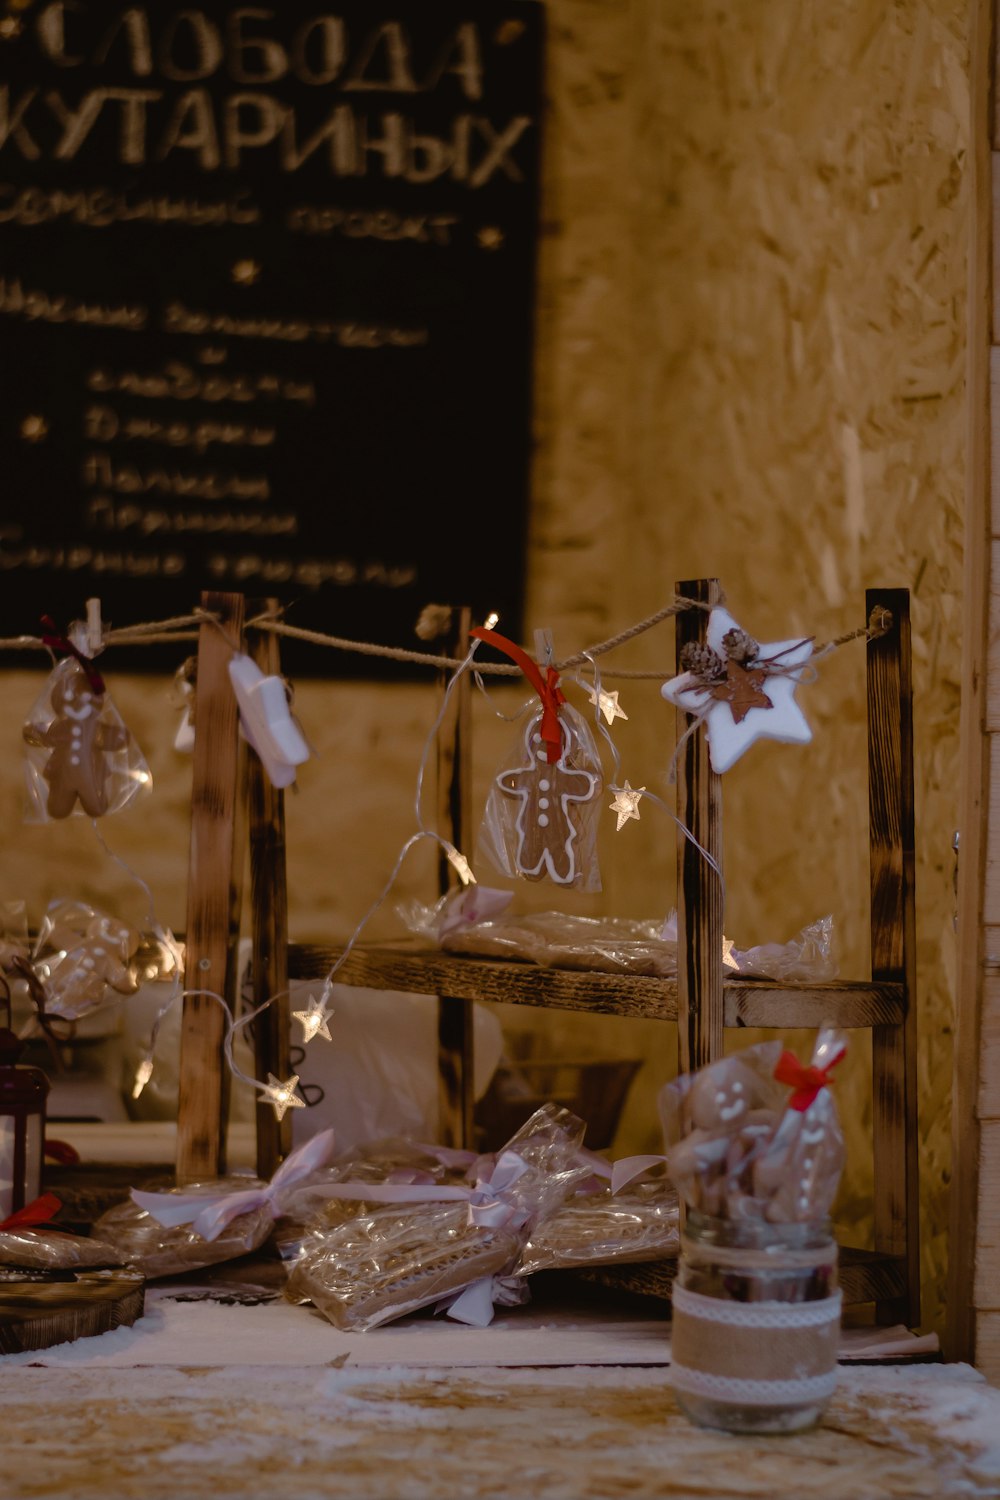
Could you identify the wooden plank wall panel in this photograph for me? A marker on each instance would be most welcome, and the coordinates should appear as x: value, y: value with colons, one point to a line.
x: 988, y: 1340
x: 991, y: 878
x: 989, y: 1029
x: 986, y: 1288
x: 967, y: 1294
x: 985, y: 1142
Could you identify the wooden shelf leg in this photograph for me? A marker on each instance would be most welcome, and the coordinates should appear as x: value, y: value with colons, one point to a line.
x: 699, y: 890
x: 269, y: 918
x: 456, y: 1086
x: 214, y: 897
x: 893, y: 947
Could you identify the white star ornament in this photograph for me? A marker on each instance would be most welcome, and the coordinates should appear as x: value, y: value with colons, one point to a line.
x: 733, y: 727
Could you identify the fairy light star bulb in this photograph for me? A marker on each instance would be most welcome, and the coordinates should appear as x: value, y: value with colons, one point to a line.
x: 461, y: 866
x: 607, y: 703
x: 143, y: 1074
x: 626, y: 804
x: 317, y: 1013
x: 281, y: 1096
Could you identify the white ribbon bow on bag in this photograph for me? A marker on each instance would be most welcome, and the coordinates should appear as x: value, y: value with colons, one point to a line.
x: 209, y: 1213
x: 488, y: 1208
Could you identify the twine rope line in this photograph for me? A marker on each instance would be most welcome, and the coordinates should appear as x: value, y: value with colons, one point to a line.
x: 178, y: 628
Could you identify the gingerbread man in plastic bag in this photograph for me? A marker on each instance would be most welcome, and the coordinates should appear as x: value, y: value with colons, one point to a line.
x: 90, y: 762
x: 84, y: 958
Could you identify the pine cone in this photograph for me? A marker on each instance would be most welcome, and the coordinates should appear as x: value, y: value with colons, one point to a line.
x: 740, y: 647
x: 701, y: 661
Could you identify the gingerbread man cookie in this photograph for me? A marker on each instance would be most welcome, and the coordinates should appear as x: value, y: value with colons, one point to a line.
x: 80, y: 955
x: 79, y: 738
x: 550, y: 795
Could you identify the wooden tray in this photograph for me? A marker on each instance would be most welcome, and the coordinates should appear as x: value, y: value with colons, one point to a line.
x: 38, y: 1314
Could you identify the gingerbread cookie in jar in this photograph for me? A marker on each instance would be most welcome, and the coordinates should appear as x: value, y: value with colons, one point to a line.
x: 755, y: 1150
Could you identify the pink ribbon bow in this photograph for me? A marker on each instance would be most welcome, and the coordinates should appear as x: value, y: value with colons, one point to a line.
x: 209, y: 1213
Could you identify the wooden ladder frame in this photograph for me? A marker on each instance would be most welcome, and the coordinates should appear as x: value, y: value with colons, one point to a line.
x: 702, y: 1002
x: 229, y: 792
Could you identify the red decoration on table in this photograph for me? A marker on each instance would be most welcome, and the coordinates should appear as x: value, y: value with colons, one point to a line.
x: 39, y: 1211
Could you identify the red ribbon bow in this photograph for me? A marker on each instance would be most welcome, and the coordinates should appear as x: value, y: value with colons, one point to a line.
x: 39, y: 1211
x: 546, y: 687
x: 58, y: 642
x: 806, y: 1081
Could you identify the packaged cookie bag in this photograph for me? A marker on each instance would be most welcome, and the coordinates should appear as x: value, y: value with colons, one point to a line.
x: 540, y: 819
x: 755, y: 1149
x: 205, y: 1223
x: 448, y: 1245
x: 80, y: 757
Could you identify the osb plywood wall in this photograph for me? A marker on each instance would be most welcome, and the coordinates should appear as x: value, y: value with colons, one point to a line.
x: 750, y: 366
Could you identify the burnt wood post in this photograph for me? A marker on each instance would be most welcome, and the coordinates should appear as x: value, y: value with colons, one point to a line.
x: 269, y: 916
x: 456, y: 1084
x: 215, y: 875
x: 893, y: 946
x: 699, y: 890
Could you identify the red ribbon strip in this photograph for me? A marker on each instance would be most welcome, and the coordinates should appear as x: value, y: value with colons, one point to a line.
x: 806, y: 1081
x: 58, y: 642
x: 546, y: 687
x: 62, y: 1152
x: 39, y: 1211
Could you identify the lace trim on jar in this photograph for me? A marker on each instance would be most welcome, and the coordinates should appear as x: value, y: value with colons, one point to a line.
x: 754, y: 1392
x: 757, y: 1314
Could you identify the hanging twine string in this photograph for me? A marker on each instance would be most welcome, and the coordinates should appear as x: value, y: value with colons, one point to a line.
x: 178, y: 628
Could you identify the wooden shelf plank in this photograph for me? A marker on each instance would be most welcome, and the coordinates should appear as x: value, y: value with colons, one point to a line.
x: 504, y: 982
x: 852, y: 1004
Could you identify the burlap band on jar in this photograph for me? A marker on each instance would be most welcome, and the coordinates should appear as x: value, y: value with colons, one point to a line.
x: 759, y: 1352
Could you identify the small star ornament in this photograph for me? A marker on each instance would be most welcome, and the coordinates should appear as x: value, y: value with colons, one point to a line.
x: 607, y: 703
x: 626, y: 804
x: 314, y: 1018
x: 281, y: 1096
x: 750, y: 696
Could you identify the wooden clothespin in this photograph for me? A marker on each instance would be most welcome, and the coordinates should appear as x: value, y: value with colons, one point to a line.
x: 544, y: 650
x: 88, y: 635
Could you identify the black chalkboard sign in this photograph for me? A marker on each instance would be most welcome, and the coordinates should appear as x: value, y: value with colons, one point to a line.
x: 266, y: 311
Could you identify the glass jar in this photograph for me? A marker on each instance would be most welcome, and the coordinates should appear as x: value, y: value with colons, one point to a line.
x: 755, y: 1323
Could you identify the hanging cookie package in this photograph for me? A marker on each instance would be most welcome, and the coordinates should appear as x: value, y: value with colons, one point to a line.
x: 84, y: 959
x: 80, y: 757
x: 540, y: 819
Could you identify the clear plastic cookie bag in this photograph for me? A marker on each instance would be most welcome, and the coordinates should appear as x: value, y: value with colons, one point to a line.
x: 81, y: 759
x: 541, y: 814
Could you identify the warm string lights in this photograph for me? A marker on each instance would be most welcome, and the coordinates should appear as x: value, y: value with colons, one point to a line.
x: 739, y: 691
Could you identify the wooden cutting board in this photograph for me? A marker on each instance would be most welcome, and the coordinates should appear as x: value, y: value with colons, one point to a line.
x: 38, y: 1314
